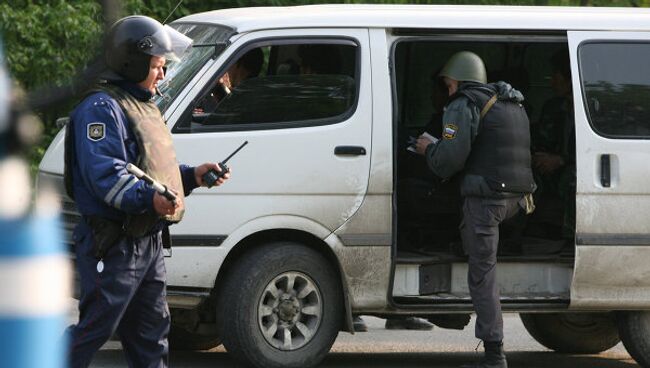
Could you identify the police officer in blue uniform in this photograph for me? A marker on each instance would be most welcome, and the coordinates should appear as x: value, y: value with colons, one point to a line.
x: 119, y: 241
x: 486, y: 138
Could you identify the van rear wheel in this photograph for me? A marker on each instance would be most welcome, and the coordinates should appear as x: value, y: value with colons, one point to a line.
x: 281, y: 306
x: 634, y: 329
x: 574, y: 333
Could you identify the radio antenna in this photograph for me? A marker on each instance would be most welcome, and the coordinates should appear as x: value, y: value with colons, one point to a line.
x: 172, y: 12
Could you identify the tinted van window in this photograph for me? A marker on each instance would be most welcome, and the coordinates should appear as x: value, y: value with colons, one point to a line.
x: 616, y: 83
x: 274, y: 86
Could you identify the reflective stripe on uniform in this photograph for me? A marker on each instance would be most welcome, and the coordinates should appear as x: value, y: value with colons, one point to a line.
x: 120, y: 194
x: 120, y: 183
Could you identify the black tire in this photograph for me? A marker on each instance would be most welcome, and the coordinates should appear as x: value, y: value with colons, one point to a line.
x: 263, y: 325
x: 573, y: 333
x: 634, y: 329
x: 180, y: 339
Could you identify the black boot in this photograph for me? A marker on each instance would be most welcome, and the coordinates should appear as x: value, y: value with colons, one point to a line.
x: 494, y: 357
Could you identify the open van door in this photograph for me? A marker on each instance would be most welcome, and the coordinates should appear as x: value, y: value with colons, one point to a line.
x: 611, y: 89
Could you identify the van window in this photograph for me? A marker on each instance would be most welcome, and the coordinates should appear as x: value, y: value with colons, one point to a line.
x: 616, y: 84
x: 275, y: 86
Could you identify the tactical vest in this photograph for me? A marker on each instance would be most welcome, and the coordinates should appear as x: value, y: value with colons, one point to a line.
x: 156, y: 155
x: 501, y: 150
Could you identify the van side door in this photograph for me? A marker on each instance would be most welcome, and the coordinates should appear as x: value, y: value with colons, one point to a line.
x: 611, y: 82
x: 307, y: 115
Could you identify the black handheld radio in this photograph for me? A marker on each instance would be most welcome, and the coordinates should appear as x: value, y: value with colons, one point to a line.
x: 212, y: 175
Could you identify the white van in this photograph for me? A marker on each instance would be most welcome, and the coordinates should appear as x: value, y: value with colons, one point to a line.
x: 327, y: 215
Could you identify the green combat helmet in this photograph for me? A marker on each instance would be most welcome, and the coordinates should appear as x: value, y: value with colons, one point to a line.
x: 465, y: 66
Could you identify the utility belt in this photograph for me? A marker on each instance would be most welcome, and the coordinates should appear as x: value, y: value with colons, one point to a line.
x: 106, y: 233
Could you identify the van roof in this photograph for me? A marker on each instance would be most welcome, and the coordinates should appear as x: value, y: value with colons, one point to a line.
x: 429, y: 17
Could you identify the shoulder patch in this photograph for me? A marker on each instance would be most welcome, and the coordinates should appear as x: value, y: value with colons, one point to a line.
x: 449, y: 131
x: 96, y: 131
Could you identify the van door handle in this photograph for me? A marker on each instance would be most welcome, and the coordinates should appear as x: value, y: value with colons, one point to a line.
x: 605, y: 171
x: 350, y: 150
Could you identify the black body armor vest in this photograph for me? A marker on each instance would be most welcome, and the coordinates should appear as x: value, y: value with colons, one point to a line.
x: 501, y: 150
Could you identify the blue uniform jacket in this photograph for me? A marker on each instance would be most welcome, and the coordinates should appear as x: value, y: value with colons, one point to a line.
x: 104, y: 144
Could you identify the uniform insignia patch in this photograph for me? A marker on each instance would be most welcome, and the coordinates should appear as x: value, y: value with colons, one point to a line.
x: 449, y: 132
x: 96, y: 131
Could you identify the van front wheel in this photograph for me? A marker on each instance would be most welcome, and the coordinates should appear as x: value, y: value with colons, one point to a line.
x: 281, y: 306
x: 634, y: 328
x: 574, y: 333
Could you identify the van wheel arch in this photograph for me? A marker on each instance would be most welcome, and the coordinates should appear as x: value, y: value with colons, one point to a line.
x: 259, y: 239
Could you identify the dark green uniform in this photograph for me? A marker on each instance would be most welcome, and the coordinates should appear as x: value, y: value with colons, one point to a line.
x: 493, y: 154
x: 555, y: 134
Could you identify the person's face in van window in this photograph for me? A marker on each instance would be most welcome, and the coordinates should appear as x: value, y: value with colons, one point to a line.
x: 452, y: 85
x: 561, y: 85
x: 236, y: 74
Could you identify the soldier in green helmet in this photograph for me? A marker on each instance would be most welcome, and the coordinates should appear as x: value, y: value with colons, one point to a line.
x: 485, y: 138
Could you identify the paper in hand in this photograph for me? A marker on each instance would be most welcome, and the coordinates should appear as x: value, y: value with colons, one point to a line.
x: 413, y: 141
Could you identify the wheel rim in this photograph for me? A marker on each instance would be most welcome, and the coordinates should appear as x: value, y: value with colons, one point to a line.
x: 289, y: 311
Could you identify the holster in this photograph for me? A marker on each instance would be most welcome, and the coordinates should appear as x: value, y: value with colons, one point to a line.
x: 106, y: 233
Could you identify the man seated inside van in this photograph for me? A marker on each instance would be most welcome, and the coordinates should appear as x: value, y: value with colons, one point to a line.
x: 553, y: 139
x: 248, y: 66
x: 320, y: 59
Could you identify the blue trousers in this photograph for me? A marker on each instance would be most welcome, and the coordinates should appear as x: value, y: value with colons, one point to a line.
x: 128, y: 298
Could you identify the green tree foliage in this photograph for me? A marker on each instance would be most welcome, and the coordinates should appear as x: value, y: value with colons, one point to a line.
x: 48, y: 41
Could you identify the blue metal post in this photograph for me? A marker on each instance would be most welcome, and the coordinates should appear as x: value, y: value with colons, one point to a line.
x: 33, y: 291
x: 34, y: 270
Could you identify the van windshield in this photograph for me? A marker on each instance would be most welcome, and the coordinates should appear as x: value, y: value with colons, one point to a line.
x: 209, y: 42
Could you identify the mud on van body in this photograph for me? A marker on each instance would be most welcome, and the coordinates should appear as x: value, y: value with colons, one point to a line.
x: 328, y: 215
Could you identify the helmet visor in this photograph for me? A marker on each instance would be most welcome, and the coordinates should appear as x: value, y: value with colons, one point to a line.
x: 168, y: 43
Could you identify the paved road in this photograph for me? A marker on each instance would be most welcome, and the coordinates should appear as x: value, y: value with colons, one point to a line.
x: 406, y: 349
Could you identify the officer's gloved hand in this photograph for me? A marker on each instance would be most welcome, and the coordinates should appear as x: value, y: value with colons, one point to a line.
x: 423, y: 142
x: 164, y: 206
